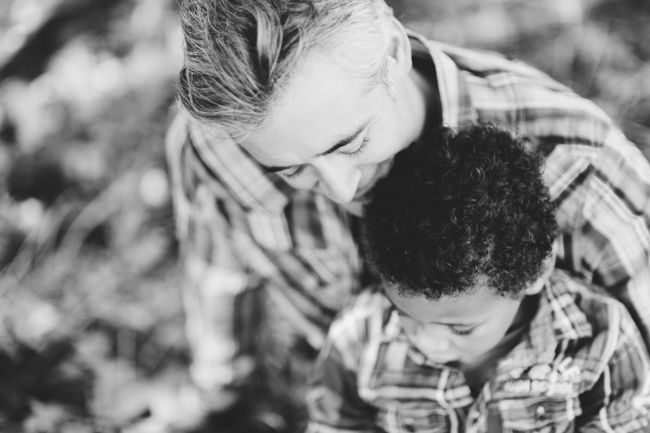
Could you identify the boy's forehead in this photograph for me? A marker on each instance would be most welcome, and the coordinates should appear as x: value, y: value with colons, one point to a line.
x: 480, y: 290
x: 474, y: 304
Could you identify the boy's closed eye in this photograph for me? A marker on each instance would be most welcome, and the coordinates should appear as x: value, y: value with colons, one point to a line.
x: 461, y: 332
x: 412, y: 325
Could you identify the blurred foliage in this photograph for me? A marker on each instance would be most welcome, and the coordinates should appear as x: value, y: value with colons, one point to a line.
x: 599, y: 48
x: 91, y: 319
x: 90, y: 282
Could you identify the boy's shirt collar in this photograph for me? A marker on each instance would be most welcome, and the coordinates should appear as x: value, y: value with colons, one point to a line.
x: 558, y: 318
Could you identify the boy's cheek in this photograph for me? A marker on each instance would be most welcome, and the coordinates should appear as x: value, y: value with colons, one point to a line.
x: 479, y: 345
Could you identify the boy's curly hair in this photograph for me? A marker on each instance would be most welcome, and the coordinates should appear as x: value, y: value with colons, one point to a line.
x: 459, y: 205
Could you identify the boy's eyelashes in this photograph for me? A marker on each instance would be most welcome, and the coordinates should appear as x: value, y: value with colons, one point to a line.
x: 461, y: 332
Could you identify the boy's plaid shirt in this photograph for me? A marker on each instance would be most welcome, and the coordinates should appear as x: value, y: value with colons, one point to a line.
x: 241, y: 229
x: 582, y: 366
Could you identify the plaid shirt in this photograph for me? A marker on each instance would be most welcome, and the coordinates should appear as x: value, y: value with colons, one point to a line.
x: 242, y: 230
x: 582, y: 366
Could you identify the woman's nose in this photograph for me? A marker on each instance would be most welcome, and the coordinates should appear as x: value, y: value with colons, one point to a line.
x: 337, y: 180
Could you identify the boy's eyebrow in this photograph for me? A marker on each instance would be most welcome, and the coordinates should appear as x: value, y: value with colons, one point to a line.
x: 341, y: 143
x: 437, y: 323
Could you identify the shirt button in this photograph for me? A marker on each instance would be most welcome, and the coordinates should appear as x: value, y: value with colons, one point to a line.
x: 540, y: 414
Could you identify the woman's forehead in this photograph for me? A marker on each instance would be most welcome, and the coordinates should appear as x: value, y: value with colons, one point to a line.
x: 322, y: 106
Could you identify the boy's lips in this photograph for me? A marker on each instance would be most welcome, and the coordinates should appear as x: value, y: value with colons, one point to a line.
x: 442, y: 360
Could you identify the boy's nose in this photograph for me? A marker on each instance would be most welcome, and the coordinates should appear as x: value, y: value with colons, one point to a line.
x: 436, y: 347
x: 439, y: 346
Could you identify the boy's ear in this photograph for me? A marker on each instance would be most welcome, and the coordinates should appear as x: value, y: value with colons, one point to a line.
x: 536, y: 287
x: 549, y: 266
x: 399, y: 51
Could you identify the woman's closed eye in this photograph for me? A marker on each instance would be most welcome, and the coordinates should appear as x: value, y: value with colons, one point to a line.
x: 295, y: 173
x: 298, y: 171
x: 358, y: 150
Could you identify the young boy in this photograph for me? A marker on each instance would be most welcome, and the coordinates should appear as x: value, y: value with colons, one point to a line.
x: 474, y: 330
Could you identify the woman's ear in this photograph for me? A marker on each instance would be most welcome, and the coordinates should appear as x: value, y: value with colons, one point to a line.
x: 399, y: 49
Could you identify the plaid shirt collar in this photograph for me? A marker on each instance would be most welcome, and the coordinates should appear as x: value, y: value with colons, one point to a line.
x: 259, y: 191
x: 558, y: 320
x: 453, y: 90
x: 254, y: 189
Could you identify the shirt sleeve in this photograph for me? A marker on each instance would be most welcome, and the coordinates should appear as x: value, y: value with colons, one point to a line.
x: 333, y: 400
x: 216, y: 283
x: 603, y: 197
x: 620, y: 399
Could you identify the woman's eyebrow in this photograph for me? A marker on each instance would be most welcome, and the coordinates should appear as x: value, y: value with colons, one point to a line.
x: 346, y: 140
x: 342, y: 142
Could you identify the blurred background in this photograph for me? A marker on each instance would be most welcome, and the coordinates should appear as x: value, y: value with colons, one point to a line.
x: 91, y: 318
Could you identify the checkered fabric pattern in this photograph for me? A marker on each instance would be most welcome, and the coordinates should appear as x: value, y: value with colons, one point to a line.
x: 245, y: 234
x: 581, y: 367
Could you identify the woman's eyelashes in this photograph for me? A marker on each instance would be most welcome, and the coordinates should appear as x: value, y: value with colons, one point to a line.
x: 296, y: 173
x: 354, y: 153
x: 358, y: 150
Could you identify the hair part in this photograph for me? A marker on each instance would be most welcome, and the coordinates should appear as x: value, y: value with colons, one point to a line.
x: 239, y: 54
x: 461, y: 208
